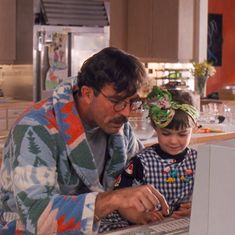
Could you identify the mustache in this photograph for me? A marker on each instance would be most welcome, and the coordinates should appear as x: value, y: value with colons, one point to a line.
x: 119, y: 120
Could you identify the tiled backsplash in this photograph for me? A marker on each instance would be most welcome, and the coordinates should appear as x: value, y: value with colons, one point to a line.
x: 16, y: 81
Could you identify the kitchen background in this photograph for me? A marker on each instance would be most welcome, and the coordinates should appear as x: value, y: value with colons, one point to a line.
x: 17, y: 62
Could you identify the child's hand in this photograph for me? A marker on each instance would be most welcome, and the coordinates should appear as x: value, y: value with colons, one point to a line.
x: 141, y: 217
x: 184, y: 210
x: 151, y: 216
x: 154, y: 216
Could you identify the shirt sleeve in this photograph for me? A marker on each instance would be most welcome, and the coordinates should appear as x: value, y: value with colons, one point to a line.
x: 132, y: 175
x: 30, y: 174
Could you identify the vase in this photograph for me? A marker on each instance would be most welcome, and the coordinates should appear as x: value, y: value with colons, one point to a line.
x: 200, y: 86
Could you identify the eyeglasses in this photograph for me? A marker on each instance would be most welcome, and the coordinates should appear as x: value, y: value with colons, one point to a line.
x: 119, y: 105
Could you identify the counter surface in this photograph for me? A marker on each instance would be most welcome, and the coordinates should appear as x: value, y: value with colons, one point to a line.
x: 14, y: 103
x: 198, y: 138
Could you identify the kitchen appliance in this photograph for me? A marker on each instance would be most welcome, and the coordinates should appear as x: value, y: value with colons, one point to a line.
x: 59, y: 52
x: 65, y: 34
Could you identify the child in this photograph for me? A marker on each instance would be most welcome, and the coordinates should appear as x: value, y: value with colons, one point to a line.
x: 169, y: 165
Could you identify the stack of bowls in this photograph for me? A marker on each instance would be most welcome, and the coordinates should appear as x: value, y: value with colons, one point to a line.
x: 141, y: 124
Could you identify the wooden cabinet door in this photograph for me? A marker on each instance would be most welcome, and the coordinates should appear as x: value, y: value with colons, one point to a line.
x: 7, y: 31
x: 165, y: 29
x: 173, y: 30
x: 140, y: 23
x: 118, y: 24
x: 154, y: 30
x: 24, y: 32
x: 3, y: 119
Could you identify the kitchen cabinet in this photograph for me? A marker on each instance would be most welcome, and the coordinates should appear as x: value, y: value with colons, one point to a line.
x: 153, y: 30
x: 3, y: 119
x: 24, y: 32
x: 16, y: 31
x: 12, y: 114
x: 10, y: 111
x: 7, y: 31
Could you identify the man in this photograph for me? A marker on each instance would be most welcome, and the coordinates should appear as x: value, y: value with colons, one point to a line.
x: 61, y: 158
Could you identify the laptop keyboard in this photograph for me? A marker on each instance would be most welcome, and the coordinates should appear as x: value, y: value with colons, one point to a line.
x: 170, y: 227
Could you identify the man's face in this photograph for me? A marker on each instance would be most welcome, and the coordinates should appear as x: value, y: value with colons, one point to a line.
x: 173, y: 141
x: 109, y: 110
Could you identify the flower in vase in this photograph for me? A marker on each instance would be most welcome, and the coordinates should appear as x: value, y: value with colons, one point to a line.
x: 203, y: 69
x: 201, y: 72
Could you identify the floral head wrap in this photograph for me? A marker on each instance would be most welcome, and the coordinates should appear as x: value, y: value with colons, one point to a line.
x: 162, y: 107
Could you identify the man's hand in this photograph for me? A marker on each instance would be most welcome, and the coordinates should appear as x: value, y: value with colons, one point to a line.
x: 142, y: 198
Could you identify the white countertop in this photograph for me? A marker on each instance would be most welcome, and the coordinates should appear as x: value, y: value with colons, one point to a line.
x: 197, y: 138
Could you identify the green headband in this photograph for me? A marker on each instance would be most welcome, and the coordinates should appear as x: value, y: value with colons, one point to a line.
x: 162, y: 108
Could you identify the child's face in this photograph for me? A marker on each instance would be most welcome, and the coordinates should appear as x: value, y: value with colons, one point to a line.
x: 173, y: 141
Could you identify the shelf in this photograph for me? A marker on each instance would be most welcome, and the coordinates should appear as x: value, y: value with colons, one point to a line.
x: 168, y: 69
x: 173, y: 79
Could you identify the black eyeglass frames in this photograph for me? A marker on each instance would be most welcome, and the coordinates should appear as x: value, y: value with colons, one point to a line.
x: 119, y: 105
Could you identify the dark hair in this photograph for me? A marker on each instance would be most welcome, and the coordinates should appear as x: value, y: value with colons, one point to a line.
x: 115, y: 67
x: 181, y: 119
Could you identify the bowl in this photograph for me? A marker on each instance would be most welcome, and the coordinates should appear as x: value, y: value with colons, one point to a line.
x: 141, y: 125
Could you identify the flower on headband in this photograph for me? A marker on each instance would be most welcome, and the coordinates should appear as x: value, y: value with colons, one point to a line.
x: 159, y: 104
x: 162, y: 107
x: 161, y: 98
x: 163, y: 103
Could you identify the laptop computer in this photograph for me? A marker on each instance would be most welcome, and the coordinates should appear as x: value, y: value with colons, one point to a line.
x: 212, y: 204
x: 214, y: 192
x: 169, y: 227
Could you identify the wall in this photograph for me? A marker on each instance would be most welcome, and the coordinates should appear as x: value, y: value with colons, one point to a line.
x: 225, y: 74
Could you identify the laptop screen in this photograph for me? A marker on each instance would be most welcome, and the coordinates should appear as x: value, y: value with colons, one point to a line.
x: 214, y: 191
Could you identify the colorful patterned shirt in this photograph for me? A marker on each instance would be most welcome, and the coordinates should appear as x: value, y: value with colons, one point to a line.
x: 49, y: 176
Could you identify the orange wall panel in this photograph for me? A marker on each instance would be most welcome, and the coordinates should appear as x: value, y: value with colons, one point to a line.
x: 225, y: 74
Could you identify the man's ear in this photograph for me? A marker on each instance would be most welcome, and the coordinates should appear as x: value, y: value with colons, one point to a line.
x: 87, y: 93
